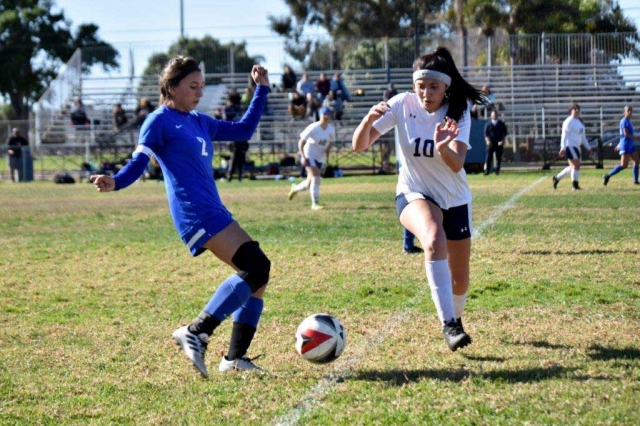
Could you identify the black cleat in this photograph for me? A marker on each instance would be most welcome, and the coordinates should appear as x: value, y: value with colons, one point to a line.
x: 455, y: 335
x: 555, y: 182
x: 605, y: 179
x: 412, y: 250
x: 576, y: 186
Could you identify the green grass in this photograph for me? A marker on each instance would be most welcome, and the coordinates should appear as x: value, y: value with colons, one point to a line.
x: 92, y: 285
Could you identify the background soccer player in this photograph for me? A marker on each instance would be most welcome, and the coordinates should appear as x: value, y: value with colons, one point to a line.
x: 573, y: 135
x: 626, y: 148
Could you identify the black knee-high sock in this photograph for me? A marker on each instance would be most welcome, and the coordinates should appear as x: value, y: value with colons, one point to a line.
x: 241, y: 337
x: 204, y: 323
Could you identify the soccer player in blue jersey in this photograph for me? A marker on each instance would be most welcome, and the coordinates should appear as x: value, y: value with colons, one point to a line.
x: 180, y: 139
x: 626, y: 148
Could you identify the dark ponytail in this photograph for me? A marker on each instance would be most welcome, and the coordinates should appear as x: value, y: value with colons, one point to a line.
x: 459, y: 93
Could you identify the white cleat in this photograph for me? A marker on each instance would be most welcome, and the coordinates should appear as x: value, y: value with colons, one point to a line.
x: 194, y: 347
x: 240, y: 364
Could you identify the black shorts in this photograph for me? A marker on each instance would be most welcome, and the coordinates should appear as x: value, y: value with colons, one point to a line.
x: 456, y: 221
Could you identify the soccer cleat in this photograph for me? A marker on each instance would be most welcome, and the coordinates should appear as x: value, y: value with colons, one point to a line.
x: 412, y: 250
x: 636, y: 183
x: 316, y: 207
x: 605, y: 179
x: 243, y: 363
x: 455, y: 335
x: 576, y: 185
x: 194, y: 347
x: 555, y: 182
x: 292, y: 192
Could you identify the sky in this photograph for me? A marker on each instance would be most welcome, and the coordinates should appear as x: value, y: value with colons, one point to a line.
x: 149, y: 26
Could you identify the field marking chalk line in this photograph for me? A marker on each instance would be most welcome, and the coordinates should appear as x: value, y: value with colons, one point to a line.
x: 326, y: 383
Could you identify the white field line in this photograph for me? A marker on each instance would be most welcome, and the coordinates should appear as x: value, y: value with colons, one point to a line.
x: 348, y: 366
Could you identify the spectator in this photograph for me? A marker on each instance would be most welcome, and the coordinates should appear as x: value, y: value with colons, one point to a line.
x: 307, y: 88
x: 495, y: 134
x: 389, y: 93
x: 238, y: 159
x: 145, y: 107
x: 480, y: 111
x: 338, y: 86
x: 323, y: 87
x: 235, y: 98
x: 334, y: 102
x: 289, y: 80
x: 297, y: 106
x: 119, y: 117
x: 15, y: 142
x: 231, y: 111
x: 79, y: 114
x: 245, y: 100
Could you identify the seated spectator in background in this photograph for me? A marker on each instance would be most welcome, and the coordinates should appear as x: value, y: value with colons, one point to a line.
x: 323, y: 87
x: 297, y: 106
x: 389, y: 93
x: 482, y: 111
x: 119, y: 117
x: 245, y: 100
x: 145, y: 107
x: 235, y: 98
x: 79, y: 114
x: 219, y: 114
x: 231, y: 111
x: 334, y: 102
x: 338, y: 86
x: 289, y: 80
x: 306, y: 88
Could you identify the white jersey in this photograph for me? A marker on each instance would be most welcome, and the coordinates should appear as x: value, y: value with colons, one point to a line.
x: 423, y: 169
x: 573, y: 134
x: 316, y: 140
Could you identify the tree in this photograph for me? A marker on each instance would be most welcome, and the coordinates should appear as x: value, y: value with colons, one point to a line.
x: 34, y: 43
x: 351, y: 20
x: 216, y: 56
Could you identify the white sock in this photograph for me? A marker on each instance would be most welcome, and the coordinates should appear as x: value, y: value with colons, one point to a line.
x: 575, y: 175
x: 459, y: 302
x: 302, y: 186
x: 563, y: 173
x: 315, y: 191
x: 439, y: 278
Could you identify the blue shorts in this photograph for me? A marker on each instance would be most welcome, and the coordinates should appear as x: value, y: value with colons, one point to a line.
x: 571, y: 153
x: 198, y: 236
x: 456, y: 221
x: 627, y: 148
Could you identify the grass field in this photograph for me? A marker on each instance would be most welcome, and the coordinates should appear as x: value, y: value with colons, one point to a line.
x: 94, y: 284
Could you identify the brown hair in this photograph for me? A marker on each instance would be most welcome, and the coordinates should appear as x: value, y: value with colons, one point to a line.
x: 177, y: 69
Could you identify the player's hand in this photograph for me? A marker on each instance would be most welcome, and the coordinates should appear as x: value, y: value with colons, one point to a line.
x: 617, y: 148
x: 445, y: 133
x: 561, y: 153
x: 303, y: 161
x: 103, y: 183
x: 377, y: 111
x: 260, y: 75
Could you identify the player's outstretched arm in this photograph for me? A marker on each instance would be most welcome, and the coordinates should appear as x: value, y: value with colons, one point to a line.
x: 103, y: 183
x: 260, y: 75
x: 365, y: 134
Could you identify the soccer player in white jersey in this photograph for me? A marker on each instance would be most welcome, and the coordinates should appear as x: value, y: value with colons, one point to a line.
x: 433, y: 198
x: 573, y: 135
x: 180, y: 139
x: 313, y: 147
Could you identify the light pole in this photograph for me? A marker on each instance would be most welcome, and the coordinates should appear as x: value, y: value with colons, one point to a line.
x: 181, y: 18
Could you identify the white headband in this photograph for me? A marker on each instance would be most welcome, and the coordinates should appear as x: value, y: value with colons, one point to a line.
x: 436, y: 75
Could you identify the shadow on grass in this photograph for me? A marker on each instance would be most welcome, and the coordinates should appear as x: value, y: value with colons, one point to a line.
x: 538, y: 344
x: 484, y: 358
x: 576, y: 253
x: 527, y: 375
x: 601, y: 353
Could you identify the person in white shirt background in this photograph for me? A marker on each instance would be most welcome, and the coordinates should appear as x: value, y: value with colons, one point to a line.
x: 314, y: 147
x: 573, y: 135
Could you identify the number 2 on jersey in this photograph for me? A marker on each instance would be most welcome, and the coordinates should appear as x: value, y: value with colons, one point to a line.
x: 204, y: 146
x: 427, y: 147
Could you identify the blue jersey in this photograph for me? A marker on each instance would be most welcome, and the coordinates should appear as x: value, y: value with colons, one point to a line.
x: 626, y: 142
x: 182, y: 144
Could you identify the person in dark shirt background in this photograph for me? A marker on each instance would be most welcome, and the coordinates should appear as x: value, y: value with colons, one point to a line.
x: 15, y: 142
x: 495, y: 134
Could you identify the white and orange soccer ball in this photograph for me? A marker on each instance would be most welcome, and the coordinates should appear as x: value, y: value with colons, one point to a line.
x: 320, y: 338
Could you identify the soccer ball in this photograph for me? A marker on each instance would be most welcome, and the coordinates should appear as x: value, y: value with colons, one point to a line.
x: 320, y: 338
